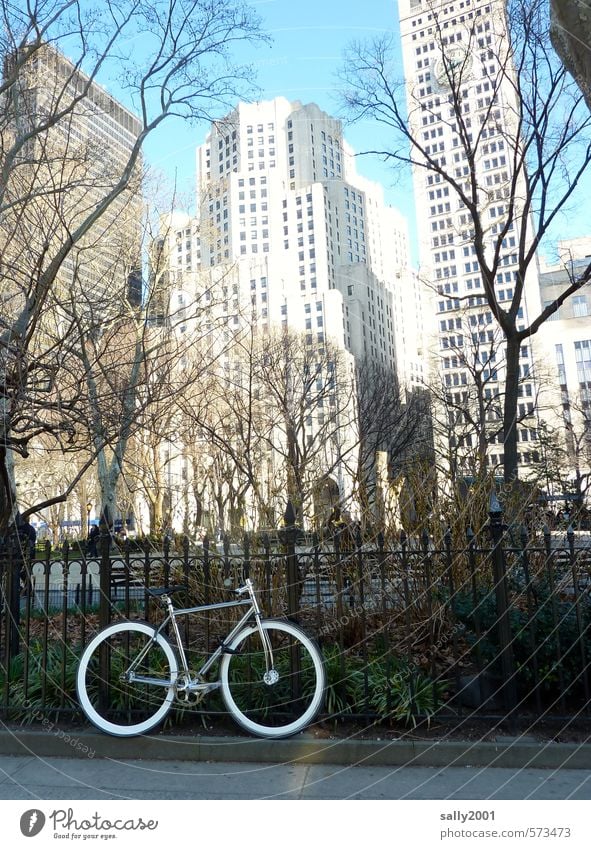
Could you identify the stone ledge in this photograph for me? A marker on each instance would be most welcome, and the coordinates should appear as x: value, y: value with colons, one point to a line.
x: 303, y: 749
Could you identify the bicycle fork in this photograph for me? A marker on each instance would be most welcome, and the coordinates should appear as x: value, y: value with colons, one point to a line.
x: 271, y: 676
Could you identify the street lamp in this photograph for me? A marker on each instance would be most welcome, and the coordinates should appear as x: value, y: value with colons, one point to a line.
x: 88, y: 509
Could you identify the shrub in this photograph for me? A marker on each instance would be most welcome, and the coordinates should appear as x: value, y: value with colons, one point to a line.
x: 49, y: 686
x: 404, y: 693
x: 343, y: 692
x: 545, y: 640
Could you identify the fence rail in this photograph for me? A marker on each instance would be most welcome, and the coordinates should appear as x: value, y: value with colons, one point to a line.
x: 496, y: 627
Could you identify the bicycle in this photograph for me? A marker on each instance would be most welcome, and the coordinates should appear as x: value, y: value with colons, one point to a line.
x: 270, y: 672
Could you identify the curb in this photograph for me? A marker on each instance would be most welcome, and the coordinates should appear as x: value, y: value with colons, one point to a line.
x: 304, y: 749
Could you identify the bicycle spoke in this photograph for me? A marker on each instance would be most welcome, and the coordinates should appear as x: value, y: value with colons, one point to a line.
x: 118, y: 705
x: 272, y: 700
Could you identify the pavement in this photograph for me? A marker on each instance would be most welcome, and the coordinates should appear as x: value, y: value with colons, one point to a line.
x: 35, y: 777
x: 56, y: 763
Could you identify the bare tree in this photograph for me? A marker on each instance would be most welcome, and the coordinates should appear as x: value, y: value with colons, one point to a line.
x: 275, y: 421
x: 57, y: 186
x: 40, y: 478
x: 565, y: 450
x: 544, y: 139
x: 226, y: 418
x: 390, y: 423
x: 311, y: 416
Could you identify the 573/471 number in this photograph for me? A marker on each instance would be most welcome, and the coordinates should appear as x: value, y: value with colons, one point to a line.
x: 537, y: 832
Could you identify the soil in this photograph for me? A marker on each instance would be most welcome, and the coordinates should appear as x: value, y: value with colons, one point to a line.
x: 470, y: 730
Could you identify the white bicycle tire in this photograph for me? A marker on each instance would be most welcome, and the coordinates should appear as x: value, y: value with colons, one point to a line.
x: 297, y: 725
x: 93, y: 715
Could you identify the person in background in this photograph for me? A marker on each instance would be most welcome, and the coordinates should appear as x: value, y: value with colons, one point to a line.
x: 28, y: 536
x: 93, y: 537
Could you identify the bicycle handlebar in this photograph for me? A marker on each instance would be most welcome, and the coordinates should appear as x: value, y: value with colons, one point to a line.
x: 238, y: 590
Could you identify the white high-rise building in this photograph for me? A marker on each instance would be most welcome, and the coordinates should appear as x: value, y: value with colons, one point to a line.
x: 467, y: 37
x: 288, y: 236
x: 279, y: 194
x: 564, y: 342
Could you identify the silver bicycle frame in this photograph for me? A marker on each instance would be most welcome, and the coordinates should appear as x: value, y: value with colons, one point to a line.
x: 254, y: 610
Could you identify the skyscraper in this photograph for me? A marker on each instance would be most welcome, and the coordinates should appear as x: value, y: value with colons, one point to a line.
x: 462, y: 110
x: 70, y: 238
x: 279, y: 195
x: 289, y: 237
x: 72, y: 141
x: 566, y: 342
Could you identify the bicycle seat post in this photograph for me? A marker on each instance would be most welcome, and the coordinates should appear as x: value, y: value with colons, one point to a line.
x: 167, y: 602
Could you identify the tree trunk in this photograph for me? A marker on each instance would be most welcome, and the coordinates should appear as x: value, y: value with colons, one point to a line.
x: 7, y: 490
x: 156, y: 512
x: 482, y: 434
x: 510, y: 466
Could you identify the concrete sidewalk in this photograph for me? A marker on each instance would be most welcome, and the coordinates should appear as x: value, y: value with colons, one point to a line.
x: 57, y: 762
x: 52, y: 778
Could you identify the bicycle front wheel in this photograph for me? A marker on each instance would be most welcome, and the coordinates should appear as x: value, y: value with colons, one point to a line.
x: 123, y: 707
x: 275, y: 700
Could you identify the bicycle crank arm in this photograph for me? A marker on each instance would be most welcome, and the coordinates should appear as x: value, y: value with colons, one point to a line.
x: 145, y: 679
x: 204, y: 688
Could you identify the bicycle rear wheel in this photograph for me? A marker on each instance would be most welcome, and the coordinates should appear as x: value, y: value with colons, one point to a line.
x: 287, y: 700
x: 120, y: 707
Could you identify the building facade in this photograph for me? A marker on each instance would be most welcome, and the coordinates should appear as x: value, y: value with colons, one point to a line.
x: 278, y: 189
x: 289, y: 239
x: 564, y: 342
x: 462, y: 111
x: 80, y: 142
x: 68, y: 143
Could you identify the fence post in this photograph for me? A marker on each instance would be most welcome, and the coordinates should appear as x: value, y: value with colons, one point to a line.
x: 471, y: 540
x: 293, y: 577
x: 555, y: 616
x: 531, y: 614
x: 267, y: 564
x: 581, y: 629
x: 14, y: 564
x: 206, y: 588
x: 105, y: 576
x: 508, y: 689
x: 186, y: 560
x: 104, y: 611
x: 245, y: 556
x: 291, y: 532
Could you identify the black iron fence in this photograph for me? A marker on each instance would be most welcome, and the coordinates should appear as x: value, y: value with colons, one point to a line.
x: 492, y: 626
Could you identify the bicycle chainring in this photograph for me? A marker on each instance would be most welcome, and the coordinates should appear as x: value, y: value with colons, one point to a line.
x: 186, y: 691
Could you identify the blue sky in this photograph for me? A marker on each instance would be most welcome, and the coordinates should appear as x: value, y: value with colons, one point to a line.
x: 308, y: 41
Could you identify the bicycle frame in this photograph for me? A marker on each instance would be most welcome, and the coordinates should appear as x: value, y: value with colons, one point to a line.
x: 253, y: 611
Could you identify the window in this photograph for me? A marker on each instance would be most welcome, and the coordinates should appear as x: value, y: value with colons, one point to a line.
x: 583, y: 359
x: 580, y: 307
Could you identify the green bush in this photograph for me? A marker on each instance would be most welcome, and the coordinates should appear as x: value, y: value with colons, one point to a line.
x: 546, y: 642
x: 399, y: 691
x: 344, y: 691
x: 403, y: 692
x: 43, y: 691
